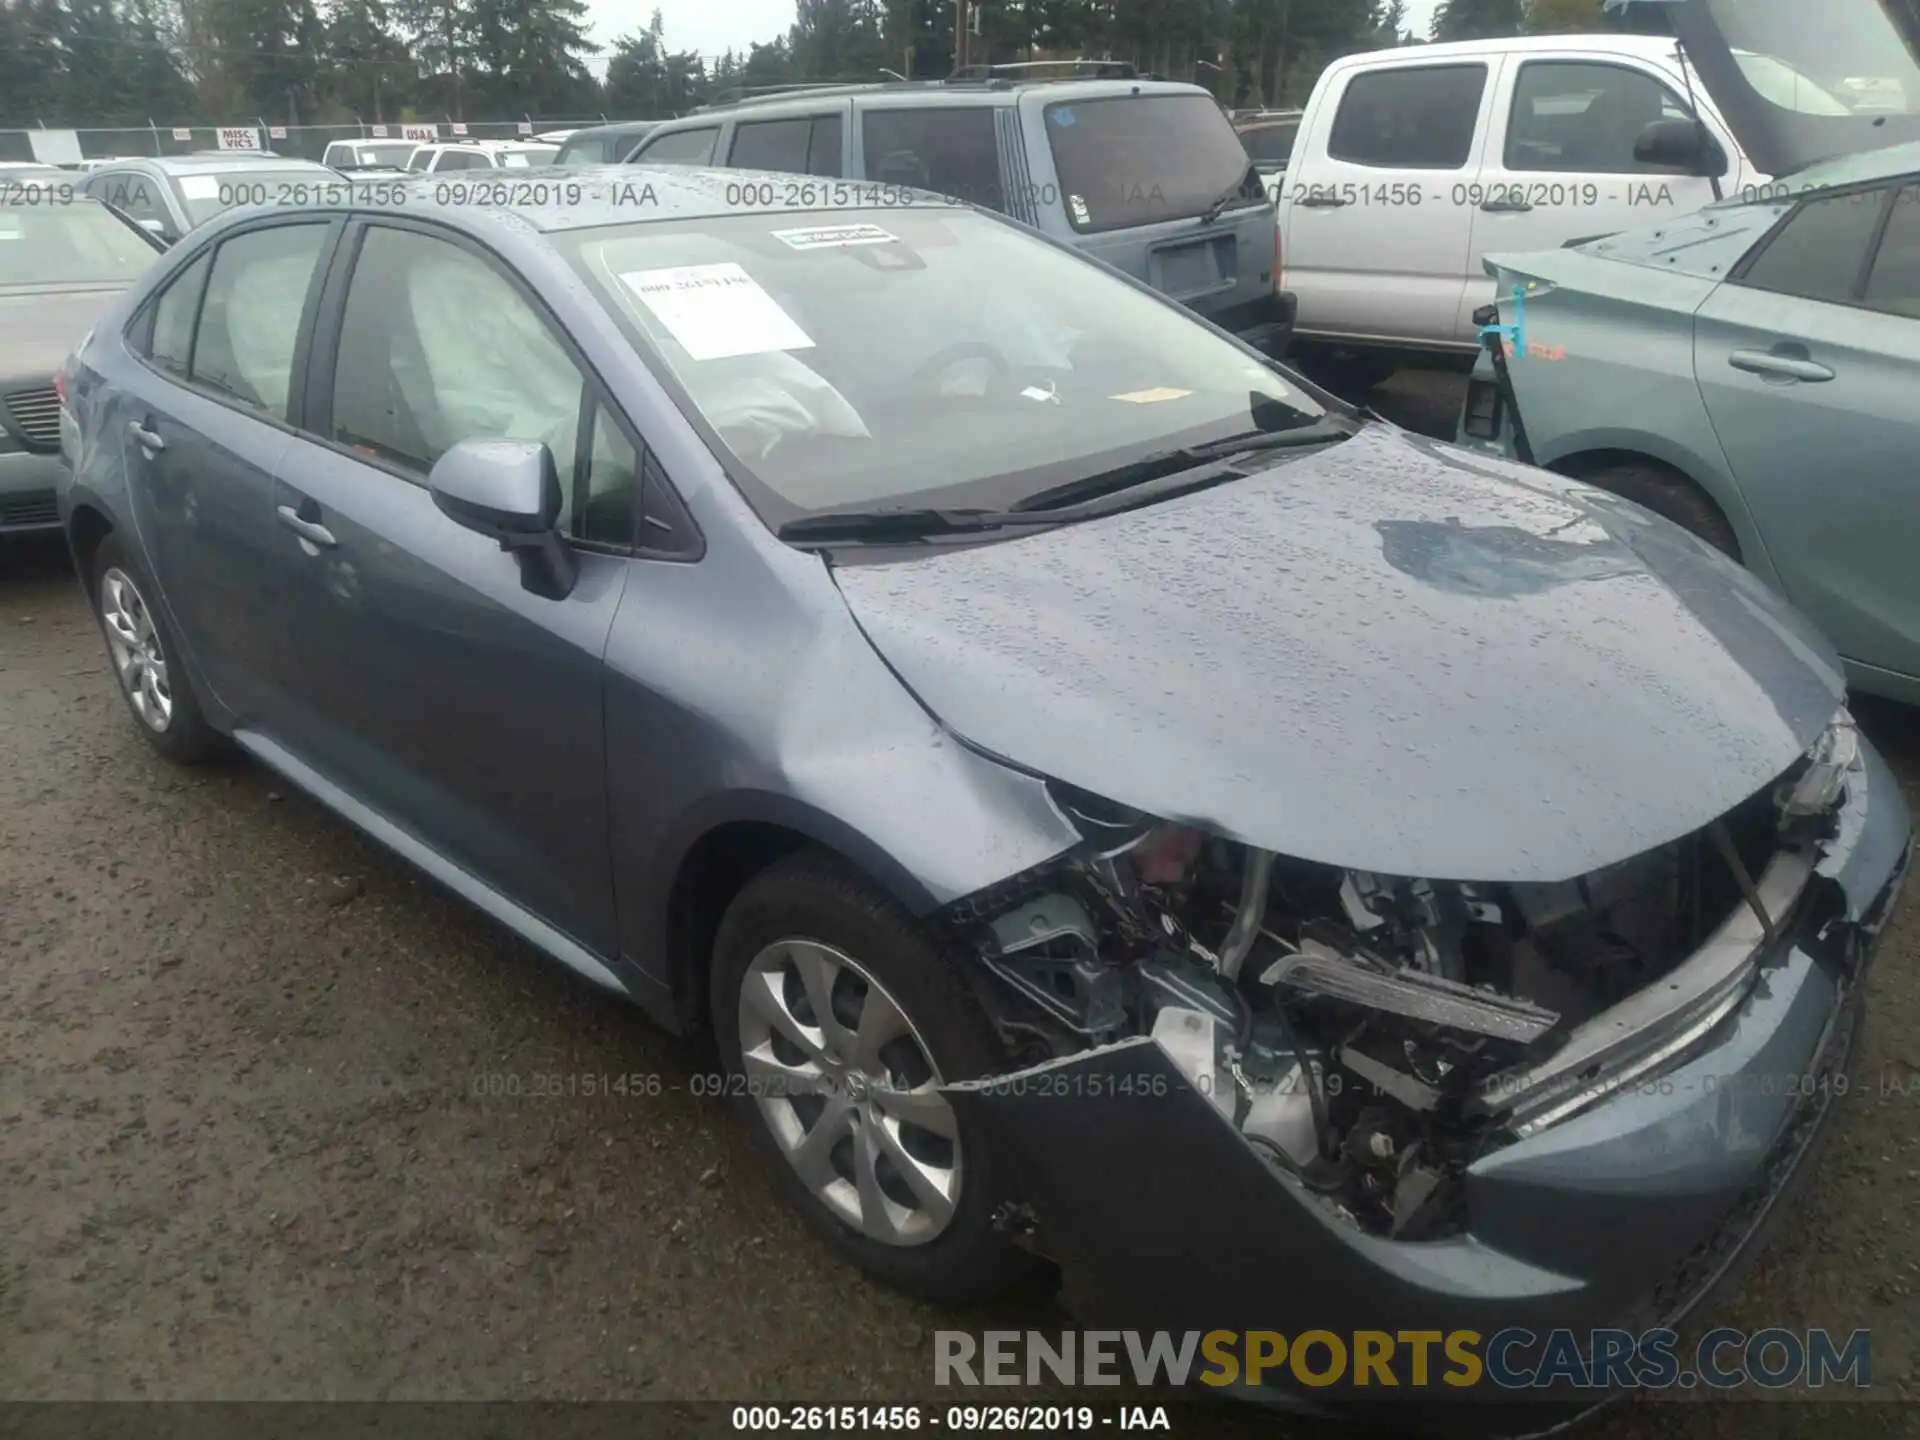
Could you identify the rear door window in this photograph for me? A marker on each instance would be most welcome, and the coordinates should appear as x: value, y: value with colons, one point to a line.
x: 171, y: 346
x: 1894, y: 285
x: 1821, y: 252
x: 1410, y: 117
x: 250, y: 320
x: 1136, y: 159
x: 950, y: 152
x: 681, y: 147
x: 772, y: 144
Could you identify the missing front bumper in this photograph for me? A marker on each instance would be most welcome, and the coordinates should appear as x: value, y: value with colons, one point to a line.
x: 1162, y: 1217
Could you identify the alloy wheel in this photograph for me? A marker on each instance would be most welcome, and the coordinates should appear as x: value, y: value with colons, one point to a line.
x: 849, y: 1090
x: 134, y: 643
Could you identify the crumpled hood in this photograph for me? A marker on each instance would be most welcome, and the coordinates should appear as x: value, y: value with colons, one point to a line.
x: 1387, y: 655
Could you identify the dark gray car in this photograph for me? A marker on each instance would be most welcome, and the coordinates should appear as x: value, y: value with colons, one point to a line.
x: 1109, y: 801
x: 63, y: 259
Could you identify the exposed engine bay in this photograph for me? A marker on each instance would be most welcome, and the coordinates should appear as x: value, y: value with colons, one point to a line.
x: 1374, y: 1035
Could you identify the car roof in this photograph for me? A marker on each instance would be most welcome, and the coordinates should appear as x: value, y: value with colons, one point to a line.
x: 1643, y: 46
x: 593, y: 196
x: 218, y: 164
x: 618, y: 127
x: 930, y: 94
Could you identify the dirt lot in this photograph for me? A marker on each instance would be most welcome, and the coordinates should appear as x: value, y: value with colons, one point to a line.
x: 247, y: 1148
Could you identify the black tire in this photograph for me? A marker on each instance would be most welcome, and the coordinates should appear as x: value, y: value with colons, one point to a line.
x: 1670, y: 494
x: 186, y: 738
x: 813, y: 896
x: 1350, y: 374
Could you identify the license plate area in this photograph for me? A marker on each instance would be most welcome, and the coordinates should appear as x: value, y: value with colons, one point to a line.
x: 1195, y: 267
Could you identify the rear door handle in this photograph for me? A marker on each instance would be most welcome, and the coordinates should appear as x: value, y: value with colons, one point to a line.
x: 311, y: 531
x: 1320, y: 200
x: 147, y: 438
x: 1783, y: 367
x: 1496, y: 207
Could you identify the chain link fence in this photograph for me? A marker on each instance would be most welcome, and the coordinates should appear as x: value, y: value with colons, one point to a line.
x: 307, y: 142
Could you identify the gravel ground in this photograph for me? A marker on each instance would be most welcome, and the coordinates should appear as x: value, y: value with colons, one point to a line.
x: 247, y: 1148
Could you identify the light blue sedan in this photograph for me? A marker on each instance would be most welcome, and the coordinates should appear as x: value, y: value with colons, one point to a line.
x: 1751, y: 372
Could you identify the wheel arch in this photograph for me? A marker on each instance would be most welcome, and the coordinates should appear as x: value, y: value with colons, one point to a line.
x: 1582, y: 464
x: 723, y: 851
x: 87, y: 526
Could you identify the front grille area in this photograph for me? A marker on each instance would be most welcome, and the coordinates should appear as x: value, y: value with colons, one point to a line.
x: 39, y: 508
x: 36, y: 416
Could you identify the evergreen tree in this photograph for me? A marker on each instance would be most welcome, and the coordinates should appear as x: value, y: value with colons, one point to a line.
x: 1478, y: 19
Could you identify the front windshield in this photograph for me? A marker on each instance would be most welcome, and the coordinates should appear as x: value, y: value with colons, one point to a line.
x: 914, y: 357
x: 206, y: 196
x: 71, y: 242
x: 1851, y: 50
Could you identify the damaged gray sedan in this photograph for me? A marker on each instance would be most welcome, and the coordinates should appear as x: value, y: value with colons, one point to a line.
x: 1113, y: 804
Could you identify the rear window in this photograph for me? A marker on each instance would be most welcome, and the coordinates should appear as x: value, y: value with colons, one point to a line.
x: 1415, y: 117
x: 950, y: 152
x: 1136, y: 159
x: 1270, y: 144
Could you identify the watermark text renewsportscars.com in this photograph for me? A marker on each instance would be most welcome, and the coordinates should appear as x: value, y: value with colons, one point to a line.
x: 1394, y: 1360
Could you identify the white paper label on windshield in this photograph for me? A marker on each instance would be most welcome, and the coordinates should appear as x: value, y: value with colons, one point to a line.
x: 200, y: 187
x: 1153, y: 396
x: 716, y: 311
x: 828, y: 237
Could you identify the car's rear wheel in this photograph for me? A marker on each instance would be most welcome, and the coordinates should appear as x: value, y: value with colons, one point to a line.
x: 841, y: 1019
x: 1667, y: 493
x: 146, y: 658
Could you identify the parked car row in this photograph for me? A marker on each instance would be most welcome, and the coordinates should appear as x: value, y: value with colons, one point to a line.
x: 1048, y: 744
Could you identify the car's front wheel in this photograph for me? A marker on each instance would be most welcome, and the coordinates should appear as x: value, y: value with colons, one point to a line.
x: 146, y: 658
x: 840, y: 1020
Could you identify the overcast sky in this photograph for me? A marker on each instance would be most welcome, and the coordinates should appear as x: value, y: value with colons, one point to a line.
x: 709, y: 27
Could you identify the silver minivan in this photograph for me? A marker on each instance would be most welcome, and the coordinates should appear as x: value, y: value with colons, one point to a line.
x: 1144, y: 175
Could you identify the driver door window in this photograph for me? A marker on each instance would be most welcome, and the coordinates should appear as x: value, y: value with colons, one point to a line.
x: 1584, y: 117
x: 436, y: 346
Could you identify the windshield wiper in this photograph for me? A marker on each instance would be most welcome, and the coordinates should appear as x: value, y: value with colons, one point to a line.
x: 1169, y: 462
x: 903, y: 524
x: 1238, y: 192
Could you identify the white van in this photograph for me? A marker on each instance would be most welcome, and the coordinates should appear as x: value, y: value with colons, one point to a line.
x: 1413, y: 164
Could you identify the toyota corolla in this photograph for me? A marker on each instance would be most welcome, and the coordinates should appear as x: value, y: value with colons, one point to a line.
x: 1114, y: 805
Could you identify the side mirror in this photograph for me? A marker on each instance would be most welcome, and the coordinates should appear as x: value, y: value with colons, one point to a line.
x: 509, y: 491
x: 1681, y: 145
x: 157, y: 229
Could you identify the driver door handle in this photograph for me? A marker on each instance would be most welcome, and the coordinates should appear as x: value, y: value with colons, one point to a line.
x: 1499, y: 207
x: 1781, y: 367
x: 147, y: 438
x: 311, y: 531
